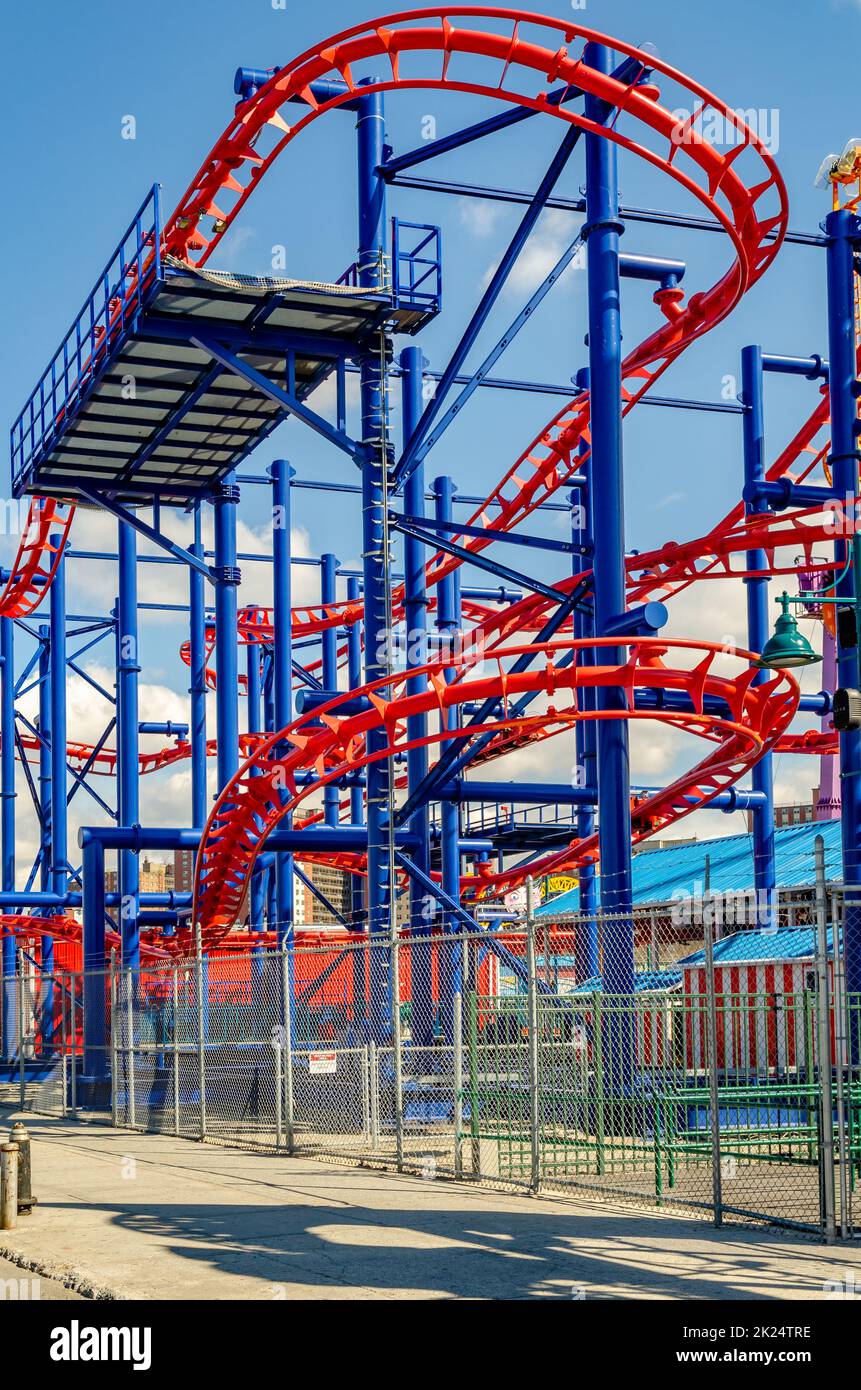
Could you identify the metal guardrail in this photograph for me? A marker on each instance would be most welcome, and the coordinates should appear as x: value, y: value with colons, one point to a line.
x: 417, y: 270
x: 117, y: 298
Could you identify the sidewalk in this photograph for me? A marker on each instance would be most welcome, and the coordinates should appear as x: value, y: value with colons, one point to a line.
x: 130, y: 1215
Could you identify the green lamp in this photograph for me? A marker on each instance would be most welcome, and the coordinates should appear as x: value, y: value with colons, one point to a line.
x: 786, y: 646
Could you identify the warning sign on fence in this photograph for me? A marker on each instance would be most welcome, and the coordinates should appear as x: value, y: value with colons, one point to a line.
x: 322, y: 1063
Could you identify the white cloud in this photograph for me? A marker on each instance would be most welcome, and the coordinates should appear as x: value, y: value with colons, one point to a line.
x: 554, y: 232
x: 479, y: 217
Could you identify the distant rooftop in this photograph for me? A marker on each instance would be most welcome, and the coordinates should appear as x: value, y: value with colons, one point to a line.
x: 680, y: 869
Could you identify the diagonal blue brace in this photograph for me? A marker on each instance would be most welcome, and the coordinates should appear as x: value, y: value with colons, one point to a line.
x: 470, y: 133
x: 144, y: 529
x: 627, y: 72
x: 508, y: 958
x: 461, y: 528
x: 289, y: 403
x: 480, y: 374
x: 410, y: 458
x: 460, y: 552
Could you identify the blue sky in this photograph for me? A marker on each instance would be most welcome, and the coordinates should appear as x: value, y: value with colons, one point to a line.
x: 72, y: 182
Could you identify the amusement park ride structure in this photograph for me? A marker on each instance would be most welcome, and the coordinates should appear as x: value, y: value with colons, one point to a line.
x: 226, y: 358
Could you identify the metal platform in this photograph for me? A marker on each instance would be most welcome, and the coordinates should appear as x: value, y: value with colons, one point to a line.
x: 136, y: 407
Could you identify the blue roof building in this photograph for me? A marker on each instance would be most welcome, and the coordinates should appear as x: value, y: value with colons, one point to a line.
x: 679, y: 870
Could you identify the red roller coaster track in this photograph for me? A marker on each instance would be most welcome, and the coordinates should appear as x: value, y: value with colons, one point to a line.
x: 742, y: 189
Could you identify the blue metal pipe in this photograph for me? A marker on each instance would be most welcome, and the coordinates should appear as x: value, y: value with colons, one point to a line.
x: 282, y: 840
x: 643, y: 621
x: 666, y: 272
x: 587, y: 957
x: 254, y: 724
x: 282, y: 665
x: 603, y: 230
x: 370, y: 127
x: 626, y: 72
x: 358, y: 909
x: 781, y: 493
x: 46, y: 795
x: 448, y: 622
x: 197, y: 687
x: 753, y: 437
x: 226, y: 624
x: 95, y: 1059
x: 418, y: 444
x: 328, y: 595
x: 501, y: 121
x: 842, y: 229
x: 422, y: 910
x: 128, y: 763
x: 57, y: 846
x: 518, y: 793
x: 44, y: 721
x: 7, y: 822
x: 813, y: 368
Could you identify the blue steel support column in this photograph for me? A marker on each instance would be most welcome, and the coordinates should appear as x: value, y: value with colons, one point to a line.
x: 46, y: 798
x: 358, y: 906
x: 282, y: 666
x: 45, y: 763
x: 422, y: 907
x: 128, y: 765
x: 226, y: 638
x: 227, y: 576
x: 753, y: 436
x: 254, y: 723
x: 197, y: 688
x: 370, y: 127
x: 95, y: 1058
x: 59, y: 851
x: 603, y: 229
x: 269, y: 728
x: 328, y: 595
x: 448, y: 623
x: 7, y: 822
x: 842, y: 229
x: 586, y: 733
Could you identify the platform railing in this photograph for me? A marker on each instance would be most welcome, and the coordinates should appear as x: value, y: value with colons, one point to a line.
x: 117, y: 298
x: 412, y: 273
x: 417, y: 268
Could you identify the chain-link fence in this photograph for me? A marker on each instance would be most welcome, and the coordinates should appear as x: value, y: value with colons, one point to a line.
x: 720, y: 1075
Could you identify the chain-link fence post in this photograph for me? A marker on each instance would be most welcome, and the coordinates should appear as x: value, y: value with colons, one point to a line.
x: 374, y: 1078
x: 201, y: 1035
x: 840, y: 1013
x: 22, y: 1078
x: 174, y: 999
x: 533, y: 1028
x: 278, y: 1049
x: 115, y: 1061
x: 712, y: 1063
x: 365, y: 1063
x: 474, y: 1098
x: 130, y: 1063
x: 457, y: 1086
x: 826, y: 1097
x: 397, y: 1050
x: 287, y: 1010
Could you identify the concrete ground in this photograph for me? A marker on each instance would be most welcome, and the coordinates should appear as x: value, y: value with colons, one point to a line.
x: 127, y: 1215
